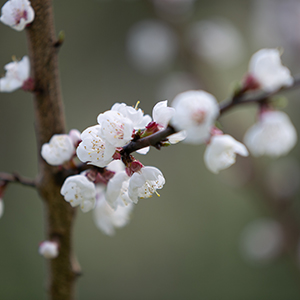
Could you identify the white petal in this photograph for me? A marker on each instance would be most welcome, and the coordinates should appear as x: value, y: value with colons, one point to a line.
x: 221, y: 152
x: 265, y: 66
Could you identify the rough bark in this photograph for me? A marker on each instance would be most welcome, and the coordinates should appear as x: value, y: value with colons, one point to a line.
x: 49, y: 120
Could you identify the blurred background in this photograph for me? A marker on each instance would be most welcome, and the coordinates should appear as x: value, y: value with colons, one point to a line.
x: 227, y: 236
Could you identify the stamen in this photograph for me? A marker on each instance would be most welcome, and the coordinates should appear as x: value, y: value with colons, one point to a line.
x: 137, y: 104
x: 157, y: 193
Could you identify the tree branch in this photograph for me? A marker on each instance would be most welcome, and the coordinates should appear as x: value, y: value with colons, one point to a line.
x: 49, y: 120
x: 7, y: 177
x: 253, y: 97
x: 244, y: 98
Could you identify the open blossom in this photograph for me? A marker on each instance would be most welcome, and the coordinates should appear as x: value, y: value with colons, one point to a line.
x: 117, y: 190
x: 106, y: 218
x: 17, y: 72
x: 17, y: 14
x: 221, y: 152
x: 135, y: 115
x: 162, y: 114
x: 144, y: 183
x: 273, y: 135
x: 196, y: 112
x: 93, y: 149
x: 115, y: 128
x: 59, y: 150
x: 75, y: 136
x: 48, y: 249
x: 78, y: 190
x: 266, y: 68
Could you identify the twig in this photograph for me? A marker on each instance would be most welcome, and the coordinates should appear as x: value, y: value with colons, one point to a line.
x: 7, y: 177
x: 253, y: 97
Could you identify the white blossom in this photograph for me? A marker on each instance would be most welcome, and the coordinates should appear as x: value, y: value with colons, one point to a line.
x: 93, y: 149
x: 116, y: 166
x: 262, y: 240
x: 17, y: 14
x: 162, y: 114
x: 17, y: 72
x: 48, y: 249
x: 196, y: 112
x: 136, y: 116
x: 75, y: 136
x: 266, y: 68
x: 218, y: 42
x: 59, y: 150
x: 221, y: 152
x: 115, y: 128
x: 78, y: 190
x: 144, y: 183
x: 117, y: 190
x: 273, y: 135
x: 106, y: 218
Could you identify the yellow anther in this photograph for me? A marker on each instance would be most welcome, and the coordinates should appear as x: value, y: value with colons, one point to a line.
x: 157, y: 193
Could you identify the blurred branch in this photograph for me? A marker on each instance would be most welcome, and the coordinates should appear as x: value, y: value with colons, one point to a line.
x: 7, y: 177
x: 254, y: 97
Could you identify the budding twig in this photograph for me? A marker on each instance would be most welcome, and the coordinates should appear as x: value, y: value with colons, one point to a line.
x: 151, y: 140
x: 7, y: 177
x: 246, y: 98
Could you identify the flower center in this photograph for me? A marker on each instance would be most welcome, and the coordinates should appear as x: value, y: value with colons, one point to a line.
x: 20, y: 14
x: 199, y: 116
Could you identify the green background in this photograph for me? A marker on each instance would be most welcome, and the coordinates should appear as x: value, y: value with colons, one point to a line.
x: 183, y: 245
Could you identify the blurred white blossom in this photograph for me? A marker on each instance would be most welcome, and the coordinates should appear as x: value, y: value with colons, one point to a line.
x: 266, y: 68
x: 17, y: 14
x: 151, y: 46
x: 273, y: 135
x: 262, y: 240
x: 59, y: 150
x: 93, y: 149
x: 106, y: 218
x: 17, y: 72
x: 221, y: 152
x: 48, y: 249
x: 196, y: 113
x: 78, y: 190
x: 218, y: 42
x: 144, y: 183
x: 175, y: 83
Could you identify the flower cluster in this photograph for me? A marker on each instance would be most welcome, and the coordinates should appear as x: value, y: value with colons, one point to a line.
x: 115, y: 180
x: 17, y: 14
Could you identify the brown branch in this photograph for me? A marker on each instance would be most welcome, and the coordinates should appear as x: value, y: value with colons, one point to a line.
x: 152, y: 140
x: 7, y: 177
x: 254, y: 97
x: 244, y: 98
x: 49, y: 120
